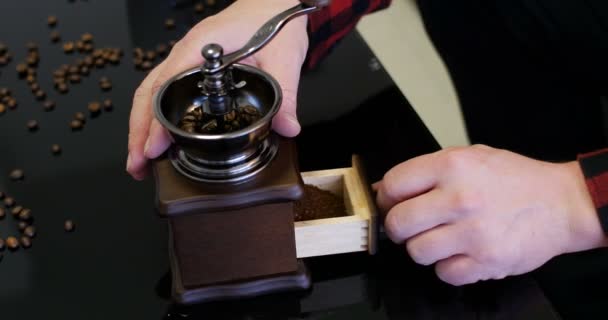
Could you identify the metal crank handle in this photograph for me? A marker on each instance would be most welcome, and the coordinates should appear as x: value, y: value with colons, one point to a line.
x: 264, y: 35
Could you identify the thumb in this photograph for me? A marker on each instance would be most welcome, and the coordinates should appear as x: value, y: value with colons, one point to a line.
x: 287, y: 72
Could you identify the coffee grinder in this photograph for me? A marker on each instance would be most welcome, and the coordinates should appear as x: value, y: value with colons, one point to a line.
x: 229, y: 197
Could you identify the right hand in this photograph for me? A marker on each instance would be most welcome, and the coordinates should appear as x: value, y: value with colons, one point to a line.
x: 232, y: 28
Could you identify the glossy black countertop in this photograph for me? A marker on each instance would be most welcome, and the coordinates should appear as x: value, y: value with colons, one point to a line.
x: 115, y: 265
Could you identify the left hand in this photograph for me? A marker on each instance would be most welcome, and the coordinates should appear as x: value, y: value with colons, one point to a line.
x: 481, y: 213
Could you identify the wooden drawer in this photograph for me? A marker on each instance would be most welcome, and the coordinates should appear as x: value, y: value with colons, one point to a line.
x: 352, y: 233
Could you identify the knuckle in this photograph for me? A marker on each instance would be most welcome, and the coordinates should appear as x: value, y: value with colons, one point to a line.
x: 390, y: 185
x: 456, y: 159
x: 465, y: 202
x: 392, y: 225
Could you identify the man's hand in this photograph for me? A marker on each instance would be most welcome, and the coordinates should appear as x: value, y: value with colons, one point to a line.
x: 282, y: 58
x: 481, y: 213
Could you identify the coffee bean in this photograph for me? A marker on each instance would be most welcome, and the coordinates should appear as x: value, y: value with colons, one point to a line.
x: 9, y: 202
x: 62, y: 87
x: 76, y: 125
x: 107, y: 105
x: 32, y: 125
x: 21, y: 225
x: 40, y: 95
x: 68, y: 47
x: 94, y: 107
x: 146, y: 65
x: 80, y: 46
x: 55, y: 36
x: 51, y: 21
x: 34, y: 87
x: 56, y: 149
x: 3, y: 48
x: 150, y: 55
x: 59, y: 73
x: 100, y: 63
x: 31, y: 72
x: 169, y: 23
x: 162, y: 49
x: 89, y: 61
x: 2, y: 213
x: 30, y: 231
x: 210, y: 3
x: 80, y: 116
x: 5, y: 92
x: 12, y: 243
x: 2, y: 245
x: 25, y: 214
x: 11, y: 103
x: 87, y: 37
x: 88, y: 47
x: 2, y: 108
x: 16, y: 210
x: 48, y: 105
x: 137, y: 62
x: 73, y: 70
x: 74, y: 78
x: 30, y: 79
x: 3, y: 61
x: 105, y: 86
x: 21, y: 69
x: 26, y: 242
x: 16, y: 174
x: 84, y: 70
x: 69, y: 226
x: 199, y: 8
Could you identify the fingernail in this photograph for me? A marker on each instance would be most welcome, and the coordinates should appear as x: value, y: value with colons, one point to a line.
x: 128, y: 162
x: 147, y: 147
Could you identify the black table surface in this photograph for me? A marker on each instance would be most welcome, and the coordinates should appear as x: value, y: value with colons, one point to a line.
x: 115, y: 265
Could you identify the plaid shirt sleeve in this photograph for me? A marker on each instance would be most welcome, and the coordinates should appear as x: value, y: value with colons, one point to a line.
x: 327, y: 26
x: 595, y: 170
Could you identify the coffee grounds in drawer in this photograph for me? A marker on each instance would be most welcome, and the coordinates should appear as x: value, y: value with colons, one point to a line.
x: 318, y: 204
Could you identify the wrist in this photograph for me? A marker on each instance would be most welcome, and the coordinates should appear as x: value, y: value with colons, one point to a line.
x: 585, y: 229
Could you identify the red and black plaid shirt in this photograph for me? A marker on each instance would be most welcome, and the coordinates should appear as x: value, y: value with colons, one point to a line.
x: 327, y: 26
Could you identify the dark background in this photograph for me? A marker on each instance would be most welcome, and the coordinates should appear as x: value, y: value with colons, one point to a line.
x: 115, y: 265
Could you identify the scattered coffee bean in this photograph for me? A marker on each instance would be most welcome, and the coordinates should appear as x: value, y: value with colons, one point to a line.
x: 25, y: 214
x: 87, y: 37
x: 48, y: 105
x: 73, y: 70
x: 146, y: 65
x: 40, y: 95
x: 11, y: 103
x: 89, y: 61
x: 9, y: 202
x: 51, y: 21
x: 69, y: 226
x: 56, y: 149
x: 84, y: 70
x: 107, y: 105
x: 32, y: 125
x: 100, y: 63
x: 68, y: 47
x: 210, y: 3
x: 76, y: 125
x: 16, y: 210
x: 199, y: 8
x: 21, y: 225
x: 94, y: 107
x: 5, y: 92
x: 21, y: 69
x: 80, y: 116
x: 26, y: 242
x: 30, y: 231
x: 62, y: 87
x: 30, y: 79
x: 2, y: 245
x: 55, y: 36
x: 79, y: 46
x: 2, y: 213
x: 88, y: 47
x: 162, y: 49
x: 12, y: 243
x: 3, y: 48
x: 150, y: 55
x: 74, y: 78
x: 16, y: 174
x: 105, y: 86
x: 59, y: 73
x: 34, y: 87
x: 169, y: 23
x: 2, y: 108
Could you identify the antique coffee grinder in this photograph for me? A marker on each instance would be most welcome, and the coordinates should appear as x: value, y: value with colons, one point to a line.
x: 228, y: 183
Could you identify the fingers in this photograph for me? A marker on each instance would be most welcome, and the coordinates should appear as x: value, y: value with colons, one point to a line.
x: 417, y: 215
x: 408, y: 179
x: 459, y: 270
x: 159, y: 140
x: 139, y: 125
x: 436, y: 244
